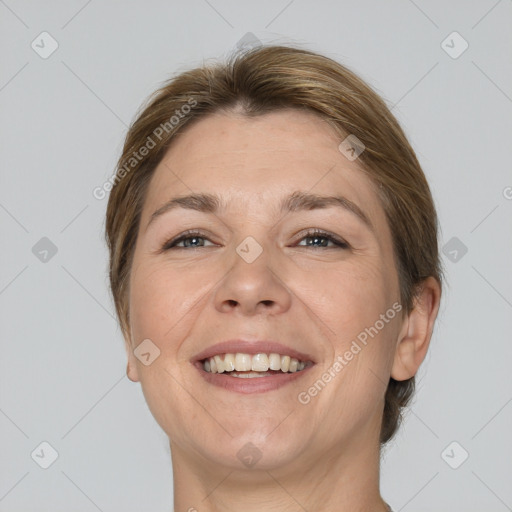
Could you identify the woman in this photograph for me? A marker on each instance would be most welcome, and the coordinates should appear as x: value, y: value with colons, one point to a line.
x: 274, y: 265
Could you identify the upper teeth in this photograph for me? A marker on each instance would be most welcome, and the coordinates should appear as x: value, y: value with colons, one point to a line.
x: 241, y: 362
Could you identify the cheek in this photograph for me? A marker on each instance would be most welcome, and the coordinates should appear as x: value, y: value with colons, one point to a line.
x: 160, y: 297
x: 351, y: 297
x: 357, y: 303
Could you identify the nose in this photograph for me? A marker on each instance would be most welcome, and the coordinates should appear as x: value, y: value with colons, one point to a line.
x: 253, y: 288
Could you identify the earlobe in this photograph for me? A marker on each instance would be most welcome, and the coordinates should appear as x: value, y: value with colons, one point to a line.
x: 131, y: 366
x: 416, y: 332
x: 131, y: 371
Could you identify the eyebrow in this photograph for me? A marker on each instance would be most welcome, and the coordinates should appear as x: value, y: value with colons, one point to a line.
x: 297, y: 201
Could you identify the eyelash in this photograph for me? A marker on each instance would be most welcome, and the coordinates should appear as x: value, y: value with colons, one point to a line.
x: 339, y: 243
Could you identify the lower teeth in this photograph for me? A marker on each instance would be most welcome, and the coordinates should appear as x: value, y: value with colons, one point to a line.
x: 248, y: 375
x: 251, y: 374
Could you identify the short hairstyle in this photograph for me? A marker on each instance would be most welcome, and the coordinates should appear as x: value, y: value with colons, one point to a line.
x: 253, y: 83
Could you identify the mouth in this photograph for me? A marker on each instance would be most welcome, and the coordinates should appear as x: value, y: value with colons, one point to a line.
x: 251, y: 367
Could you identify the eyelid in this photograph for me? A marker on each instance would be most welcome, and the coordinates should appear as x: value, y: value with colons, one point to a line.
x: 189, y: 233
x: 339, y: 242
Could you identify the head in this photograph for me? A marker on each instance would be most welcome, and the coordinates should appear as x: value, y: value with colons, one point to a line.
x: 259, y: 141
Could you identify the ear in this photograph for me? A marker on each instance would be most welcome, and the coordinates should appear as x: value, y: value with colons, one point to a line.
x: 131, y: 367
x: 414, y: 338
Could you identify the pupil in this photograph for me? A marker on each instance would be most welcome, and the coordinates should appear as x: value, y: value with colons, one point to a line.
x: 315, y: 239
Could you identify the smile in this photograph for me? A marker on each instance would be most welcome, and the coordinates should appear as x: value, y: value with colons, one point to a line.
x: 252, y: 366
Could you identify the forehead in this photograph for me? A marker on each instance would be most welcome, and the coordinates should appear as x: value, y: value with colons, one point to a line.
x: 256, y: 161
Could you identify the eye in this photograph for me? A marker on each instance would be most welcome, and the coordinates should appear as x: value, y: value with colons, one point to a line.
x: 320, y: 239
x: 314, y: 238
x: 189, y: 239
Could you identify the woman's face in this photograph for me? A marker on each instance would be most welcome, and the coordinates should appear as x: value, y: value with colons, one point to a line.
x: 255, y: 270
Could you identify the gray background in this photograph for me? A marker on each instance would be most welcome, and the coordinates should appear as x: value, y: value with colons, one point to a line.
x: 62, y: 365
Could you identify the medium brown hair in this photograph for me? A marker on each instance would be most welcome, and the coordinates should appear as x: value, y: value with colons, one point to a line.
x: 264, y: 80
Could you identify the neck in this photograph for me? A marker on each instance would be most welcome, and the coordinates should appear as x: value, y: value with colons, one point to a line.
x: 340, y: 480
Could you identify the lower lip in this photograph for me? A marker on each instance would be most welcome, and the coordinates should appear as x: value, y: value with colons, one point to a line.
x: 250, y: 385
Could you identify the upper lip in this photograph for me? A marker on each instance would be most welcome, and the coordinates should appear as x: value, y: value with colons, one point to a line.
x: 252, y: 347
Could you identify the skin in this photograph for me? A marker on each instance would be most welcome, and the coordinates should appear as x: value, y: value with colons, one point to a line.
x: 323, y: 455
